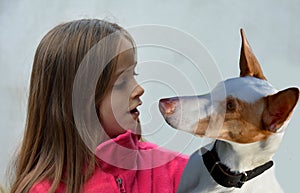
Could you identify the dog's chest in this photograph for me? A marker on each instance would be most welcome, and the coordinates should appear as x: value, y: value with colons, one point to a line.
x: 197, y: 179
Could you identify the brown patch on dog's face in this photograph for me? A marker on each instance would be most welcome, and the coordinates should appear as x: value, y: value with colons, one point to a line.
x: 242, y: 123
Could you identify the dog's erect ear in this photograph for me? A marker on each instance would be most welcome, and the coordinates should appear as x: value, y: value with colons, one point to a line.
x: 249, y: 65
x: 278, y: 108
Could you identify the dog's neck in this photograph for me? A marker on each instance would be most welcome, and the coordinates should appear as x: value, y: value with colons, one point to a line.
x: 243, y: 157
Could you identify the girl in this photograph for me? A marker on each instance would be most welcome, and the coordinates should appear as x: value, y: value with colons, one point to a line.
x: 58, y: 152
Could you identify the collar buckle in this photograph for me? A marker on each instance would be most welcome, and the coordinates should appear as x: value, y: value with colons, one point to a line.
x: 243, y: 179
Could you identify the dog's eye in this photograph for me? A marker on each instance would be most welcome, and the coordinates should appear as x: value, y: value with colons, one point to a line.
x: 230, y: 106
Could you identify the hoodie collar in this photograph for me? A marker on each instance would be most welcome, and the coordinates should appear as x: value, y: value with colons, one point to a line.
x: 126, y: 152
x: 120, y: 152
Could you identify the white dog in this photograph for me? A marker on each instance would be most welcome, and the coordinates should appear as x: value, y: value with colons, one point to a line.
x: 247, y: 116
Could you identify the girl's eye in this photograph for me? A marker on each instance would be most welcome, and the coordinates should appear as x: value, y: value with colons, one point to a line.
x: 120, y: 85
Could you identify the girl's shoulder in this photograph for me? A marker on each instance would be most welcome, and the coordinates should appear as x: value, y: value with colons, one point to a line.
x: 166, y: 157
x: 44, y: 187
x: 144, y: 145
x: 98, y: 183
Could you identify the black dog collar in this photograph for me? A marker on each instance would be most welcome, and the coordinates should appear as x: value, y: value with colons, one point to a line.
x: 222, y: 174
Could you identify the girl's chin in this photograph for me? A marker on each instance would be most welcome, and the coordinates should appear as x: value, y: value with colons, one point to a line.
x: 133, y: 125
x: 136, y: 129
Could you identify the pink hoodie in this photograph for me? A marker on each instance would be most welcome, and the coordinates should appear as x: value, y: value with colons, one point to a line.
x: 128, y: 165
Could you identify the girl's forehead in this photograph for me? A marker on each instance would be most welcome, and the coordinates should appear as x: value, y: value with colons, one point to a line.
x: 126, y: 56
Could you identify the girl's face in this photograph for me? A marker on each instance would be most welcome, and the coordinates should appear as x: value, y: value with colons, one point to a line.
x: 118, y: 109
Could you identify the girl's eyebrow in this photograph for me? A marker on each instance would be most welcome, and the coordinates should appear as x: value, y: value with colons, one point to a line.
x: 126, y: 69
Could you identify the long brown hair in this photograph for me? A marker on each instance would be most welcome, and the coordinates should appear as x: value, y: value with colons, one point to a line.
x: 52, y: 147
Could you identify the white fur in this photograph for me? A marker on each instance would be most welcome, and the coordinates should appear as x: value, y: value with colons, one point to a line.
x: 189, y: 110
x: 247, y: 88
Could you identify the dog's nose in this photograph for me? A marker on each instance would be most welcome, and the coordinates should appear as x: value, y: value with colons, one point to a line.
x: 167, y: 106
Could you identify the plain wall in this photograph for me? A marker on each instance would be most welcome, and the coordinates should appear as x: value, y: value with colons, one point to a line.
x: 272, y: 28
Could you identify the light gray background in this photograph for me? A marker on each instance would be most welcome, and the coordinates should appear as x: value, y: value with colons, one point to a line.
x: 272, y: 28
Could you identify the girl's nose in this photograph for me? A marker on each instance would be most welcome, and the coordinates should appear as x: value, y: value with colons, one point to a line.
x: 137, y: 91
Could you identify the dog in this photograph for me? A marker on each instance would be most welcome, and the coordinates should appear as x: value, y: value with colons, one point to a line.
x: 247, y: 118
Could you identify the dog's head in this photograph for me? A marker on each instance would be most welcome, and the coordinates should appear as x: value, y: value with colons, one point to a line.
x: 244, y: 110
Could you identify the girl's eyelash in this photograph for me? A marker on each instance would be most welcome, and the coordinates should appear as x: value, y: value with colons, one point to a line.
x: 119, y: 86
x: 122, y: 84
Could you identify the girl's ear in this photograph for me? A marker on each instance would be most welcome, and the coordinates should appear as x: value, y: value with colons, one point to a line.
x: 278, y: 108
x: 249, y: 65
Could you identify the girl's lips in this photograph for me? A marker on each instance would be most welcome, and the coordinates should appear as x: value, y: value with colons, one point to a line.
x: 135, y: 113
